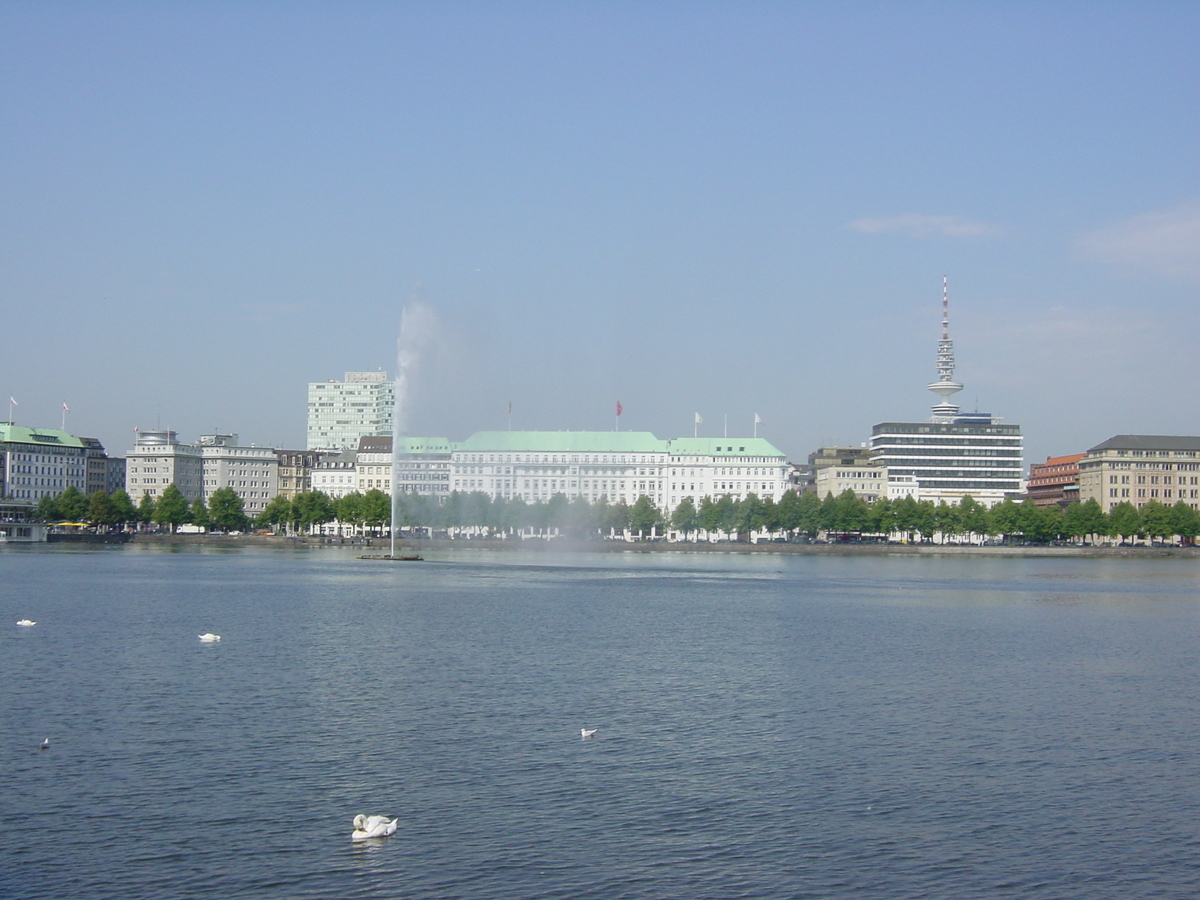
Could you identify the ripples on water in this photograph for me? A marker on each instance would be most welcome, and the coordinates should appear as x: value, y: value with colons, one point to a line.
x: 768, y: 726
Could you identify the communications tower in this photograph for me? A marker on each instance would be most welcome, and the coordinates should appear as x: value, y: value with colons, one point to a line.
x: 945, y: 387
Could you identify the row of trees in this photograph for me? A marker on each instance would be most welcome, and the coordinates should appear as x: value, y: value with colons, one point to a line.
x: 223, y: 512
x: 794, y: 515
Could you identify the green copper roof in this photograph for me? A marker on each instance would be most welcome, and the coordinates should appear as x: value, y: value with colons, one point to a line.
x: 724, y: 447
x: 562, y: 442
x: 425, y: 445
x: 612, y: 442
x: 40, y: 437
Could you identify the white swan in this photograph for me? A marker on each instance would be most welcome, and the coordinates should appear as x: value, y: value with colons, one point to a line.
x: 372, y: 827
x: 25, y: 623
x: 209, y: 637
x: 586, y: 733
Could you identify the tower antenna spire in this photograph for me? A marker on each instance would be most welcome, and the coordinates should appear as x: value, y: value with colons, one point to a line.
x: 945, y: 387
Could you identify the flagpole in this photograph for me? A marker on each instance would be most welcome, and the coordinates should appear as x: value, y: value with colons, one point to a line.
x: 726, y: 424
x: 64, y: 416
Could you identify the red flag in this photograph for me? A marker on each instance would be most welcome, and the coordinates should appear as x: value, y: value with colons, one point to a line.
x: 620, y: 408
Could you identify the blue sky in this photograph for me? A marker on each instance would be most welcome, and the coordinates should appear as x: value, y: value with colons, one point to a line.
x: 721, y: 208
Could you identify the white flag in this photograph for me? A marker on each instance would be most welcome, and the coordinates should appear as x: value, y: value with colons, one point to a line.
x: 757, y: 420
x: 699, y: 421
x: 12, y: 401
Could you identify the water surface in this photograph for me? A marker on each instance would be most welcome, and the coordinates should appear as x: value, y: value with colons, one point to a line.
x: 768, y: 726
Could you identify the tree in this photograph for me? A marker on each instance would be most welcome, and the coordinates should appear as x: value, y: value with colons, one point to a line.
x: 973, y: 517
x: 48, y: 509
x: 908, y: 516
x: 1006, y: 518
x: 171, y: 508
x: 101, y: 510
x: 310, y: 508
x: 277, y: 512
x: 684, y: 519
x: 1084, y: 520
x: 1185, y: 521
x: 226, y: 511
x: 644, y: 516
x: 1157, y: 520
x: 145, y: 509
x: 377, y: 510
x: 751, y: 514
x: 199, y: 514
x: 1124, y: 521
x: 882, y: 517
x: 126, y: 511
x: 708, y: 516
x: 73, y: 504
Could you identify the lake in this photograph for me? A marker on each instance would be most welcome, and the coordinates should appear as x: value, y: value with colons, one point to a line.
x: 767, y: 726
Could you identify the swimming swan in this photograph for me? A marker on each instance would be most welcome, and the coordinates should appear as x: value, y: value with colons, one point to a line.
x: 586, y: 733
x: 25, y: 623
x: 209, y: 637
x: 372, y: 827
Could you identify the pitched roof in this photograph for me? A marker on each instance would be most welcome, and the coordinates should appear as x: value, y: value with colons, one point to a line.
x: 723, y: 447
x: 1149, y: 442
x: 42, y: 437
x: 562, y: 441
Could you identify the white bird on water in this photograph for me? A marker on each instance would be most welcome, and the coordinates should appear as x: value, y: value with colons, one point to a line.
x: 25, y: 623
x: 209, y: 637
x: 45, y: 744
x: 586, y: 733
x: 372, y: 826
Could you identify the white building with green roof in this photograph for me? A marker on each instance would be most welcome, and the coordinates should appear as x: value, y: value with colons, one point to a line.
x: 620, y: 466
x: 40, y: 462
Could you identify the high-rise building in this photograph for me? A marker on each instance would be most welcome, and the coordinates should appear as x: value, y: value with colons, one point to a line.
x: 341, y: 412
x: 954, y: 454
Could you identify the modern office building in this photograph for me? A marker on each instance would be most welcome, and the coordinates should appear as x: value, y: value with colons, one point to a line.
x: 1138, y: 468
x: 954, y: 454
x: 341, y: 412
x: 44, y: 462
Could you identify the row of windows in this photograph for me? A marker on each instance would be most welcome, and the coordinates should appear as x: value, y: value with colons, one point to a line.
x: 1154, y: 479
x: 1167, y: 493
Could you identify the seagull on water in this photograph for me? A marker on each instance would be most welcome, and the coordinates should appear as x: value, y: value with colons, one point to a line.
x: 586, y: 733
x: 45, y: 744
x: 25, y: 623
x: 209, y: 637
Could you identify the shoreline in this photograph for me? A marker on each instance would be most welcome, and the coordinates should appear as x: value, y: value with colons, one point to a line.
x: 565, y: 546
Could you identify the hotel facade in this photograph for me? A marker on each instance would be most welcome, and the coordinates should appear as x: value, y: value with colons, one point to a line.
x: 536, y: 465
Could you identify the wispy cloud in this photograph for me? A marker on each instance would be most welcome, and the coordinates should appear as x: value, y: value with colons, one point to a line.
x: 1166, y: 242
x: 919, y: 226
